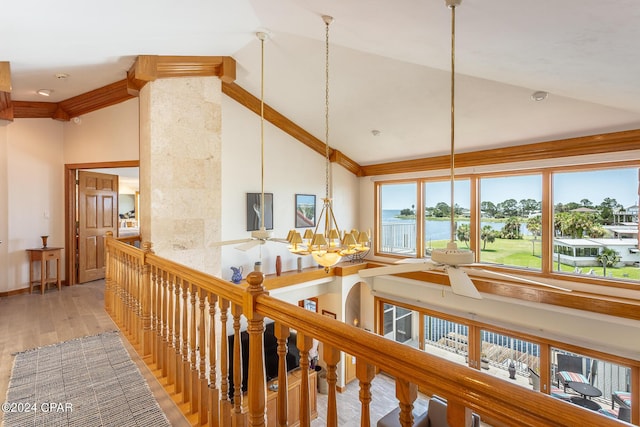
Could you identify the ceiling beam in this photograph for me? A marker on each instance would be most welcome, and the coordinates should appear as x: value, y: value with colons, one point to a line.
x: 594, y: 144
x: 242, y: 96
x: 6, y: 110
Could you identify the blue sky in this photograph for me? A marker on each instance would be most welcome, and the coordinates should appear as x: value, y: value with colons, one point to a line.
x: 619, y: 184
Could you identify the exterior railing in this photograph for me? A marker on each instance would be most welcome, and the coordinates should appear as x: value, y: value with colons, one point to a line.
x: 398, y: 238
x: 173, y: 316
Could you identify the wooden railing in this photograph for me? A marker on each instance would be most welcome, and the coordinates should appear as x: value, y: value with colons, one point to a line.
x: 170, y: 312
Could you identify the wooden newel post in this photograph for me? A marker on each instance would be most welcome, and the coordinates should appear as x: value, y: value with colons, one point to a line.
x: 146, y: 300
x: 108, y: 275
x: 256, y: 380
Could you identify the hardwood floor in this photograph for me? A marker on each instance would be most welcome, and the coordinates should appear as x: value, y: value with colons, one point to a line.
x: 29, y: 321
x: 34, y: 320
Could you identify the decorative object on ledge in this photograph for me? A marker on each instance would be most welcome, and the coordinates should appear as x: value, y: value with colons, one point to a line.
x: 328, y: 246
x: 278, y: 265
x: 44, y: 241
x: 236, y: 277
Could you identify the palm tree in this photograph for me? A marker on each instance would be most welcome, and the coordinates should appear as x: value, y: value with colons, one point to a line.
x: 487, y: 234
x: 608, y: 258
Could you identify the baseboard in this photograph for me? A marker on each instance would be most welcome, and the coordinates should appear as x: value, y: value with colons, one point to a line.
x: 15, y: 292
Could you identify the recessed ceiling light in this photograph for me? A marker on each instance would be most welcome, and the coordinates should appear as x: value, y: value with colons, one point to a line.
x: 375, y: 132
x: 44, y: 92
x: 539, y: 95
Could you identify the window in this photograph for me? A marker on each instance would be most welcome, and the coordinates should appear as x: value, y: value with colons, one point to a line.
x: 596, y: 223
x: 398, y: 324
x: 398, y: 204
x: 511, y: 220
x: 437, y: 218
x: 446, y: 339
x: 594, y: 227
x: 510, y: 355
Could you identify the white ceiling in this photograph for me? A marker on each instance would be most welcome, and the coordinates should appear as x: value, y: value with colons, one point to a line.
x: 390, y: 63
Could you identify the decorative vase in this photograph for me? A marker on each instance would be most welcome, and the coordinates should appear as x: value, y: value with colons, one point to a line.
x: 44, y: 241
x: 236, y: 277
x: 299, y: 264
x: 278, y: 265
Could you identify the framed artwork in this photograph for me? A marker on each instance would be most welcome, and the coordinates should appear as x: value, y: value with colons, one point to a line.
x: 253, y: 211
x: 329, y: 314
x: 305, y: 210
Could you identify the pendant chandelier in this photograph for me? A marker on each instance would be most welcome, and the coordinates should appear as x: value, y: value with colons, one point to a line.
x: 328, y: 246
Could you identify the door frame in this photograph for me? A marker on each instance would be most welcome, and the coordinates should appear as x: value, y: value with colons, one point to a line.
x: 70, y: 197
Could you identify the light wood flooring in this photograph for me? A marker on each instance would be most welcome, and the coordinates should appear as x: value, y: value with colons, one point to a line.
x: 30, y: 321
x: 33, y: 320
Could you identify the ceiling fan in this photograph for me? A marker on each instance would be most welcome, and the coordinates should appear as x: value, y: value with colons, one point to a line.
x: 453, y: 261
x: 262, y: 235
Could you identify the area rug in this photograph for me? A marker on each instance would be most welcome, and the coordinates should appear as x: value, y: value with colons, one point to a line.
x: 89, y: 381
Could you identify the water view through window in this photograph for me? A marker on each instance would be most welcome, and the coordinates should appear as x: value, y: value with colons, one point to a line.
x: 595, y: 222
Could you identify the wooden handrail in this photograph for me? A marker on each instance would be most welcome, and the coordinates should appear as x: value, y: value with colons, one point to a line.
x: 182, y: 349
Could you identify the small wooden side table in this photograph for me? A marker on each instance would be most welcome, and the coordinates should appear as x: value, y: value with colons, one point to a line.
x: 44, y: 255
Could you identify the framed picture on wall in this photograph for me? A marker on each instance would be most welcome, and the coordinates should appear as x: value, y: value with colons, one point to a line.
x: 305, y: 210
x: 253, y: 211
x: 329, y: 314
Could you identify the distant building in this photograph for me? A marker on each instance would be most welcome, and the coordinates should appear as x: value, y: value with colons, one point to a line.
x: 584, y: 252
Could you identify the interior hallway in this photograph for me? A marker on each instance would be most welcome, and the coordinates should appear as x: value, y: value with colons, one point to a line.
x: 30, y: 321
x: 33, y: 320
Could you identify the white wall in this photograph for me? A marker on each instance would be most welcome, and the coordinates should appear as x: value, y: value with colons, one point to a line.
x: 106, y: 135
x: 33, y: 153
x: 290, y: 168
x: 35, y: 196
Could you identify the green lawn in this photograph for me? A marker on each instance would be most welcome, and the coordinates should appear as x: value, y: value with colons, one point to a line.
x: 526, y: 253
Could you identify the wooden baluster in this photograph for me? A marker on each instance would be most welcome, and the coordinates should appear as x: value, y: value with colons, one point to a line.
x: 183, y: 365
x: 365, y: 374
x: 202, y: 368
x: 236, y: 312
x: 177, y: 337
x: 256, y: 381
x: 146, y: 302
x: 153, y: 304
x: 127, y: 297
x: 160, y: 304
x: 282, y: 334
x: 137, y: 314
x: 225, y: 403
x: 406, y: 393
x: 166, y: 290
x: 169, y: 352
x: 214, y: 413
x: 304, y: 344
x: 331, y: 357
x: 193, y: 382
x: 458, y: 414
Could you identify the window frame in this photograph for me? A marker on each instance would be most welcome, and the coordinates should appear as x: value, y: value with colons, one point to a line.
x: 546, y: 173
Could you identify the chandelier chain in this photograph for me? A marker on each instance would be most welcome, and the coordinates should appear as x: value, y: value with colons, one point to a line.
x: 262, y: 132
x: 452, y: 160
x: 326, y: 109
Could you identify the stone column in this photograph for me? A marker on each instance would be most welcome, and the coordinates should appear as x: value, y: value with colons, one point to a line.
x: 180, y: 179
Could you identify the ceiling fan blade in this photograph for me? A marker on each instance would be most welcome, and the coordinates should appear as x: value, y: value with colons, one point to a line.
x: 398, y: 268
x: 461, y: 283
x: 249, y: 245
x: 276, y: 239
x: 417, y: 261
x: 231, y: 242
x: 521, y: 279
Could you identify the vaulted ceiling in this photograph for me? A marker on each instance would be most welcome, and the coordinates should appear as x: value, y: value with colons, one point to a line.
x: 389, y: 64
